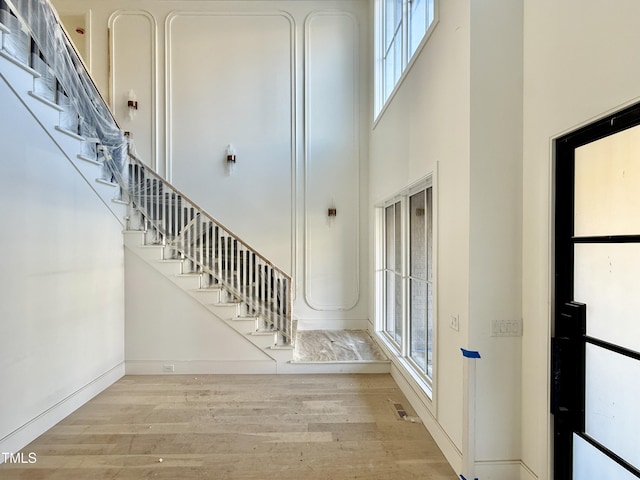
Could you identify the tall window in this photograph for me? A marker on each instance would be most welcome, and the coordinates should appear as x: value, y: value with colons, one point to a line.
x: 405, y: 279
x: 393, y: 272
x: 401, y: 26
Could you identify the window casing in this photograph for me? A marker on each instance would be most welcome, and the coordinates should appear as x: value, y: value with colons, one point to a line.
x: 401, y: 28
x: 405, y: 279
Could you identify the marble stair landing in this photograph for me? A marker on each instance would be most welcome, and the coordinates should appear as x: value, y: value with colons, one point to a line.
x: 319, y: 346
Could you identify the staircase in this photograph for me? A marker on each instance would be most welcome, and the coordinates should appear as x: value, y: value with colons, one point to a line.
x: 161, y: 226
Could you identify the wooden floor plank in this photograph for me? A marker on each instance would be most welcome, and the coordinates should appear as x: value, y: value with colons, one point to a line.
x: 223, y: 427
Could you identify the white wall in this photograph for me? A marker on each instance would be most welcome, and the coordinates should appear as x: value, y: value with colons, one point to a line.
x: 427, y: 124
x: 495, y: 230
x: 62, y: 285
x: 579, y: 65
x: 286, y: 83
x: 458, y: 112
x: 165, y: 326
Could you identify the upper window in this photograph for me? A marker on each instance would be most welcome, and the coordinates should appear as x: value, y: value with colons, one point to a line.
x: 401, y: 26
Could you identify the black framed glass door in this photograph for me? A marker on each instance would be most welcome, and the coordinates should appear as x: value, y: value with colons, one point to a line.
x: 596, y: 339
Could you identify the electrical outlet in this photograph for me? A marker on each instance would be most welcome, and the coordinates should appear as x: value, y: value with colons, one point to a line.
x: 454, y: 322
x: 168, y: 368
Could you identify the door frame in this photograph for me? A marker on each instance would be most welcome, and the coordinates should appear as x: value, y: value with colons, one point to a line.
x: 568, y: 332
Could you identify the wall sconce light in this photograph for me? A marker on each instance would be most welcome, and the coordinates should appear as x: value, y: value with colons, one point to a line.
x: 332, y: 212
x: 132, y: 104
x: 231, y: 159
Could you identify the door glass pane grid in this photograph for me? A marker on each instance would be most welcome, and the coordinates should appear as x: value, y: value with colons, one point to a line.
x: 607, y: 175
x: 602, y: 275
x: 589, y: 463
x: 612, y: 417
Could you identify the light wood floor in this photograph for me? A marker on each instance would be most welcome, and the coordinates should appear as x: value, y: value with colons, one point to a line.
x: 261, y: 427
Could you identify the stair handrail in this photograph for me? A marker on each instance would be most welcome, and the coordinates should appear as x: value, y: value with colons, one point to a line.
x: 97, y: 121
x: 137, y: 160
x: 232, y: 265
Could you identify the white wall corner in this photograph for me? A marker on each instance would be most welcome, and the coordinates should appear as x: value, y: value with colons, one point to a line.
x: 31, y: 430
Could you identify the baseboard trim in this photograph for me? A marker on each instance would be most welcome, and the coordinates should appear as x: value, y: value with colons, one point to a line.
x: 497, y: 469
x: 355, y: 367
x: 200, y: 367
x: 419, y: 402
x: 22, y: 436
x: 526, y: 473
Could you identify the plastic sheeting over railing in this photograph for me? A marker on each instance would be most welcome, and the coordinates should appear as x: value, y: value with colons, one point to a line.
x: 44, y: 28
x: 38, y: 40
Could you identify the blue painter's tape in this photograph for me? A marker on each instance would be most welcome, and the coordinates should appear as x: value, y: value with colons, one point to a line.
x: 470, y: 354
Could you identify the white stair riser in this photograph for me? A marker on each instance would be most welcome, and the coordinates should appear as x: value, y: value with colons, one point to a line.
x: 15, y: 74
x: 263, y: 340
x: 150, y: 253
x: 243, y: 325
x: 186, y: 282
x: 221, y: 310
x: 169, y: 267
x: 45, y: 113
x: 133, y: 239
x: 207, y: 296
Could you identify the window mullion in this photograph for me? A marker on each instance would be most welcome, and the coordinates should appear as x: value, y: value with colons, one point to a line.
x: 405, y: 32
x: 394, y: 38
x: 406, y: 344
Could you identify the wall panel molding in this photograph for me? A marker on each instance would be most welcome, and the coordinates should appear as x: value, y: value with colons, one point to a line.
x: 116, y: 90
x: 175, y: 138
x: 332, y: 161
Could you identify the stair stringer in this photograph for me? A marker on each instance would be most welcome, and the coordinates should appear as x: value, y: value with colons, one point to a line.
x: 219, y: 304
